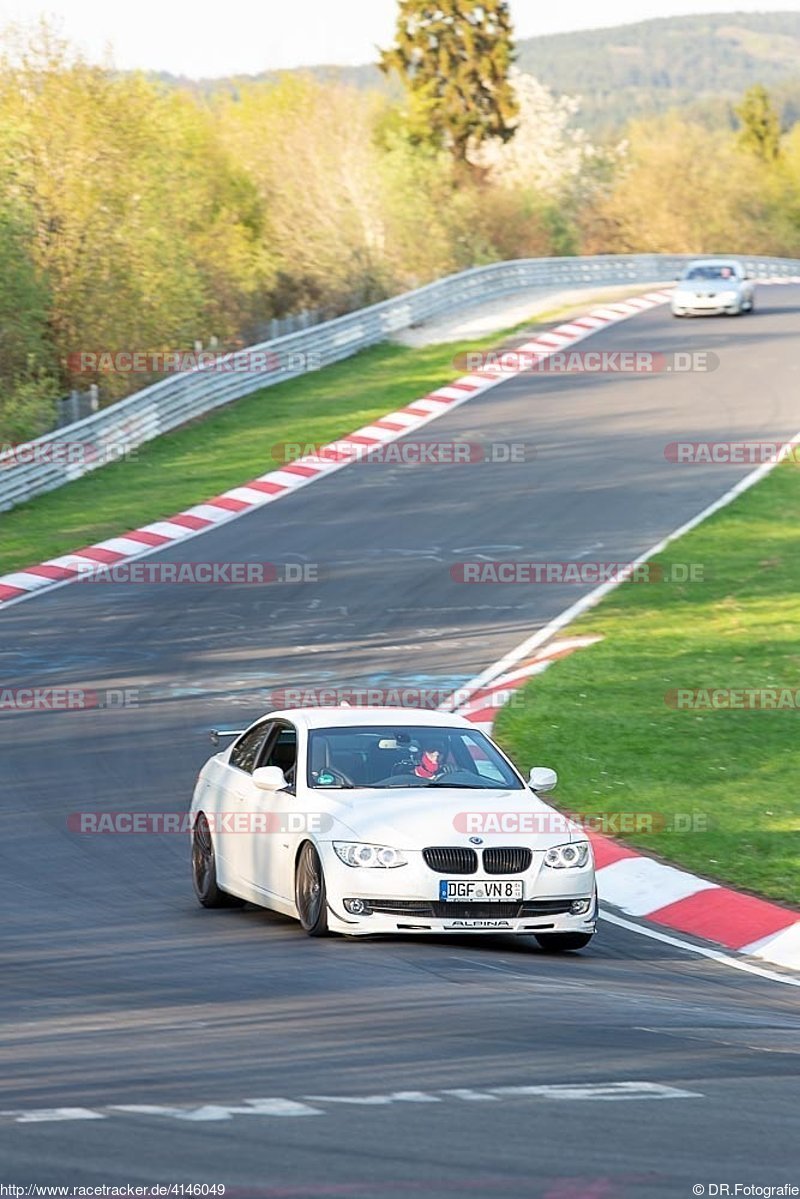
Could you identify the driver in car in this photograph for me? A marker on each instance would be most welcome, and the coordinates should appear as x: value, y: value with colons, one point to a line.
x: 430, y: 765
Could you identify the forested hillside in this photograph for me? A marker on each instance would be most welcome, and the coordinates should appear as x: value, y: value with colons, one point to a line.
x: 703, y: 62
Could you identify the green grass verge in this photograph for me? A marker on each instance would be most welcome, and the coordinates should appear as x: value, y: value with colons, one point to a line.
x: 601, y: 718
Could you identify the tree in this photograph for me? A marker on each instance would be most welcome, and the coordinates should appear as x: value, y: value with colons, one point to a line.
x: 761, y: 126
x: 146, y: 232
x: 309, y: 148
x: 28, y: 385
x: 548, y: 152
x: 679, y: 190
x: 454, y: 57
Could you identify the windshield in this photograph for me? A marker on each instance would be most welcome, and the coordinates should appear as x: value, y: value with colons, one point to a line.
x: 380, y: 756
x: 712, y: 272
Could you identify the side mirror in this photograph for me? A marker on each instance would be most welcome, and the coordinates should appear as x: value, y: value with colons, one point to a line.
x: 749, y: 274
x: 542, y: 779
x: 269, y: 778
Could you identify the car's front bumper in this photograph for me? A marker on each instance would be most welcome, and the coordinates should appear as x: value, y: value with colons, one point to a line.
x: 710, y: 306
x: 384, y: 923
x: 405, y: 901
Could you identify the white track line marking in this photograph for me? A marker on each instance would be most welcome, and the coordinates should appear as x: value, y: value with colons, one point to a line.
x: 377, y: 1100
x: 716, y: 955
x: 214, y: 1113
x: 42, y: 1115
x: 600, y: 1090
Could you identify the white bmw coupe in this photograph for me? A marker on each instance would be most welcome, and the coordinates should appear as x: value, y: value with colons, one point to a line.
x: 388, y: 820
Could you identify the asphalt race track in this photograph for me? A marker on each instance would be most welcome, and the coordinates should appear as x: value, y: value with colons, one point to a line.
x: 396, y: 1060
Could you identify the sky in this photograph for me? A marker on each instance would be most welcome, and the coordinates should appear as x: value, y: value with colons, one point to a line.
x: 246, y: 37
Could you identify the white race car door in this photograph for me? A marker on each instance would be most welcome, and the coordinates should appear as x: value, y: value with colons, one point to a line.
x: 234, y: 786
x: 263, y: 851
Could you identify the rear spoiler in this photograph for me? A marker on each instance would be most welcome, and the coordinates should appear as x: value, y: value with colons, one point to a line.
x: 216, y: 735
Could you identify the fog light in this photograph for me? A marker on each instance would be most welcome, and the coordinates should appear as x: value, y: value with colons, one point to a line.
x: 579, y: 907
x: 356, y: 907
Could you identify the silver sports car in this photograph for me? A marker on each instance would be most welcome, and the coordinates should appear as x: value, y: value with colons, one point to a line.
x: 714, y: 286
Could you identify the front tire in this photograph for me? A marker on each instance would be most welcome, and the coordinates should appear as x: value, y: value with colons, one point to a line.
x: 310, y: 896
x: 563, y: 942
x: 204, y: 870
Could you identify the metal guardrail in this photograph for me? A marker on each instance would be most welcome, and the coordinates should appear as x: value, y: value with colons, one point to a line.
x: 68, y: 453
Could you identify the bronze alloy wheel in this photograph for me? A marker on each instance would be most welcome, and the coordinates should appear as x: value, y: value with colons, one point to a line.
x: 204, y: 870
x: 309, y: 892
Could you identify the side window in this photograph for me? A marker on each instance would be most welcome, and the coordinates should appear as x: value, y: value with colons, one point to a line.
x: 246, y: 750
x: 282, y: 751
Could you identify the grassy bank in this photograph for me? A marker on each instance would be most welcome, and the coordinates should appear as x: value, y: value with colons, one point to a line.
x: 223, y: 450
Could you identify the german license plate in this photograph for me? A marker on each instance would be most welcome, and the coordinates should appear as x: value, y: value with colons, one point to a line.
x: 479, y: 892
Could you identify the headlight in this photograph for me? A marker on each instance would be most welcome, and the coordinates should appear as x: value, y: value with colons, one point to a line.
x: 565, y: 857
x: 354, y: 853
x: 729, y: 297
